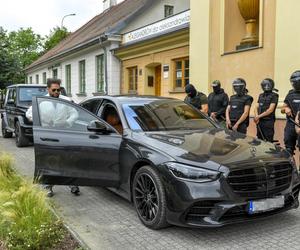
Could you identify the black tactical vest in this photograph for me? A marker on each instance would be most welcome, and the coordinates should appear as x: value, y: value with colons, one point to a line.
x: 217, y: 102
x: 237, y: 105
x: 264, y: 102
x: 293, y: 101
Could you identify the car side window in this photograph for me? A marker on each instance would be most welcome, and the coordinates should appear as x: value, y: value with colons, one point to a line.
x: 11, y: 96
x: 92, y: 105
x: 56, y: 114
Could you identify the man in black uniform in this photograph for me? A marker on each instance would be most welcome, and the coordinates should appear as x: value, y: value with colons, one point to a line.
x: 237, y: 112
x: 290, y: 108
x: 264, y: 112
x: 217, y: 103
x: 195, y: 98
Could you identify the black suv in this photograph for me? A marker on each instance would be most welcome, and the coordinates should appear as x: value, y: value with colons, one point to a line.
x: 13, y: 120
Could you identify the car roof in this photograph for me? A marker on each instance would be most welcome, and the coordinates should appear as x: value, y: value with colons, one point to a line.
x: 129, y: 98
x: 26, y: 85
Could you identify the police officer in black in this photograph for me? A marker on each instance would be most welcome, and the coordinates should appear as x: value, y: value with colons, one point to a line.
x: 217, y: 102
x: 264, y: 112
x: 290, y: 107
x: 195, y: 98
x: 237, y: 112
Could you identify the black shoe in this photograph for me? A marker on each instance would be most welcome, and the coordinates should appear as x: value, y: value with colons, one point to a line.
x: 50, y: 193
x: 75, y: 190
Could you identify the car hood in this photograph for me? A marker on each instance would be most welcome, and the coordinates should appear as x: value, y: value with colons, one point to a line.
x: 212, y: 148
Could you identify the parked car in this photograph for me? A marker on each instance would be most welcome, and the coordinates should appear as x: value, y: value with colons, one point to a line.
x: 174, y: 163
x: 13, y: 120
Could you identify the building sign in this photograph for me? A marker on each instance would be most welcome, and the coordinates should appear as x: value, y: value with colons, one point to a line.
x: 166, y: 71
x: 157, y: 28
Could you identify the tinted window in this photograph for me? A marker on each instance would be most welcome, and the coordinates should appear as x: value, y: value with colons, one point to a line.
x: 26, y: 94
x: 91, y: 105
x: 56, y: 114
x: 161, y: 115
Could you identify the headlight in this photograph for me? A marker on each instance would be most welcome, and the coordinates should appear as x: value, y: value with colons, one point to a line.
x: 189, y: 173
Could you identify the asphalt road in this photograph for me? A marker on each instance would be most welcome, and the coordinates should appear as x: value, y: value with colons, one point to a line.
x: 104, y: 220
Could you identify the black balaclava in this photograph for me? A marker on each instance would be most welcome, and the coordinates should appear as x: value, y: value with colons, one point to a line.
x: 239, y: 86
x: 216, y: 85
x: 267, y: 85
x: 295, y: 80
x: 190, y: 90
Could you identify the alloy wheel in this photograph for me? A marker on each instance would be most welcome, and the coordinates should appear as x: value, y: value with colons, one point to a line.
x: 146, y: 197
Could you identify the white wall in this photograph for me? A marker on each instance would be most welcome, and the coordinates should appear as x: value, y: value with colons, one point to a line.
x: 156, y: 13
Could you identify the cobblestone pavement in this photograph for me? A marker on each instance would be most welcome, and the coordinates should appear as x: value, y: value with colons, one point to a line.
x: 104, y: 220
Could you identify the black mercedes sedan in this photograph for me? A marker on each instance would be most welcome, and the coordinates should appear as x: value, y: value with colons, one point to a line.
x: 174, y: 163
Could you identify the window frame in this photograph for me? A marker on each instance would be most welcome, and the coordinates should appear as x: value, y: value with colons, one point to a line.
x: 55, y: 73
x: 134, y: 77
x: 44, y: 77
x: 68, y: 72
x: 82, y: 77
x: 100, y: 73
x: 168, y: 10
x: 183, y: 73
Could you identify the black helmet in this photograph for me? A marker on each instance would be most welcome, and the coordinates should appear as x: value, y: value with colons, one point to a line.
x: 190, y: 90
x: 295, y: 80
x: 239, y: 86
x: 216, y: 84
x: 267, y: 85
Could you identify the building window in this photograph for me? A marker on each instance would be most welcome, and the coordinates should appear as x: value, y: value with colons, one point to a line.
x: 169, y: 10
x: 100, y: 73
x: 37, y: 79
x: 68, y: 79
x: 30, y: 79
x: 182, y: 73
x: 44, y: 78
x: 54, y: 73
x: 133, y: 80
x: 82, y: 77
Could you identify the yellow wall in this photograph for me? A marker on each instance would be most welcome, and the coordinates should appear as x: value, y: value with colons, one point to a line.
x: 146, y: 63
x: 200, y: 44
x: 287, y: 49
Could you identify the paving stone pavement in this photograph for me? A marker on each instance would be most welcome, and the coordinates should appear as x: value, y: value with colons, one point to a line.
x: 104, y: 220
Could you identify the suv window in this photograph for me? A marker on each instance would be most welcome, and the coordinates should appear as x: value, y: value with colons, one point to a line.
x: 11, y: 95
x: 92, y: 105
x: 26, y: 94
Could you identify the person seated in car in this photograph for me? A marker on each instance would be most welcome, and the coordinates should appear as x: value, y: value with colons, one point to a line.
x: 114, y: 120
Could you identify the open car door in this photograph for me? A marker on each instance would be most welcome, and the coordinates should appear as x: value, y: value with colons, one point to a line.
x: 73, y: 146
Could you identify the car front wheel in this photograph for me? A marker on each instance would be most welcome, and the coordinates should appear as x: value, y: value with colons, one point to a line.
x: 149, y: 198
x: 21, y: 139
x: 5, y: 133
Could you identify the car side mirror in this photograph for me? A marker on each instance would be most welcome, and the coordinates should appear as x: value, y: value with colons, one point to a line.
x: 10, y: 101
x: 98, y: 127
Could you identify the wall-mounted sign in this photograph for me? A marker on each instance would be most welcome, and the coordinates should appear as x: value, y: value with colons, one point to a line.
x: 158, y: 27
x: 166, y: 71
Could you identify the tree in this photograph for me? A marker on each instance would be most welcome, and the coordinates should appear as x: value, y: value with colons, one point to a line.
x: 55, y: 37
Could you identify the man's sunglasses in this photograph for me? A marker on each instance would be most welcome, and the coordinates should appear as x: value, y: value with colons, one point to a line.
x: 55, y: 90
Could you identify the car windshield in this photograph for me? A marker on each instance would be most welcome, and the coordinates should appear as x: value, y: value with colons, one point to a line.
x: 161, y: 115
x: 26, y: 94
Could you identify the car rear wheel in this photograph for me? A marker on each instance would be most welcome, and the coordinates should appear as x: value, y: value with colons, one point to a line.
x: 5, y: 133
x: 149, y: 198
x: 21, y: 139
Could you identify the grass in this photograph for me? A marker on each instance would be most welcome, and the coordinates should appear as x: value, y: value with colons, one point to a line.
x: 26, y: 221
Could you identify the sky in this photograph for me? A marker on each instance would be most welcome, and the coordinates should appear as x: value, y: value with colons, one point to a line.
x: 44, y: 15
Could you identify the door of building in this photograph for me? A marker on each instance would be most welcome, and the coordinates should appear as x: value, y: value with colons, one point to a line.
x: 158, y: 80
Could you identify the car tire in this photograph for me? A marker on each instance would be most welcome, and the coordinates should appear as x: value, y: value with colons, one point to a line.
x: 21, y: 139
x: 149, y: 198
x: 5, y: 133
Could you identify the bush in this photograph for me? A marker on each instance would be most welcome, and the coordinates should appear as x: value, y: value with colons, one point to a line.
x: 26, y: 221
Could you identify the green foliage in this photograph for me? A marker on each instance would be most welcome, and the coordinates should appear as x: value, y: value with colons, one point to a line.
x: 25, y: 219
x: 55, y: 37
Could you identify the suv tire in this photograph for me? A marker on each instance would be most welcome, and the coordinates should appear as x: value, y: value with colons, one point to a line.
x: 21, y: 139
x: 149, y: 198
x: 5, y: 133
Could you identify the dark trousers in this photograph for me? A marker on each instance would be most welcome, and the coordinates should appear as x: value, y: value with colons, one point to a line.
x: 290, y: 137
x: 242, y: 128
x: 265, y: 130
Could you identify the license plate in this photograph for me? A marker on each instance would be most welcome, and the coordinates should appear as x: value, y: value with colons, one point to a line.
x: 260, y: 206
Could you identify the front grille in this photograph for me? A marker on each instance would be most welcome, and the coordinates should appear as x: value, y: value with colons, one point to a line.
x: 260, y: 182
x: 200, y: 210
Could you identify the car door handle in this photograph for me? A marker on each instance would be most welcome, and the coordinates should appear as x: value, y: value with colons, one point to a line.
x: 49, y: 139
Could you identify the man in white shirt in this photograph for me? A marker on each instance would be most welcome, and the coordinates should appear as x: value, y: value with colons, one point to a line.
x: 59, y: 115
